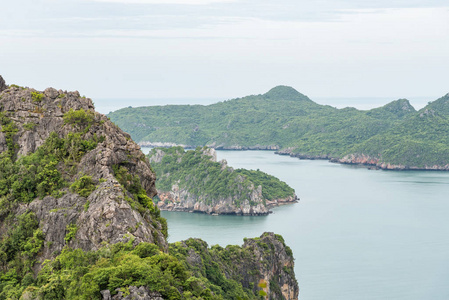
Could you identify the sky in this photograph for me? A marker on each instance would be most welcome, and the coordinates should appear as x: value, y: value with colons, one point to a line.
x: 222, y: 49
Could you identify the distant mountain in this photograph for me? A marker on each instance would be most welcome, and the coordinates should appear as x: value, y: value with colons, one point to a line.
x: 285, y: 120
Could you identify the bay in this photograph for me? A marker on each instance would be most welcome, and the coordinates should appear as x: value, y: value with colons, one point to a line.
x: 355, y: 234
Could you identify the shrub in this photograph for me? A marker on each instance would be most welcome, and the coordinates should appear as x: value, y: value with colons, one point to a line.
x: 79, y: 118
x: 83, y: 186
x: 71, y: 232
x: 37, y: 97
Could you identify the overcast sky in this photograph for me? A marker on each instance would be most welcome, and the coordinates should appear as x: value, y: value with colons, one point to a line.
x: 227, y: 48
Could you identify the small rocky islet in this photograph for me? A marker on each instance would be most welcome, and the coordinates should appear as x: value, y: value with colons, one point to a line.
x: 77, y: 218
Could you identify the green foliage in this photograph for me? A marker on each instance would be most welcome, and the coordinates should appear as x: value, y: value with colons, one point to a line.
x: 272, y: 187
x: 82, y: 275
x: 16, y: 86
x: 37, y: 174
x: 219, y: 270
x: 83, y: 186
x: 420, y: 141
x: 71, y: 232
x: 287, y: 119
x: 18, y: 249
x: 34, y: 175
x: 210, y: 181
x: 37, y: 97
x: 86, y: 205
x: 9, y: 128
x: 29, y: 126
x: 80, y: 119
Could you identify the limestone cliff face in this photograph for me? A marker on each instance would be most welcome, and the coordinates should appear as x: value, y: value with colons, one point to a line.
x: 104, y: 216
x: 179, y: 199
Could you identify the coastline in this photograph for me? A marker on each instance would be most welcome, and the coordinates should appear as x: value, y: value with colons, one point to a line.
x: 372, y: 163
x: 171, y: 201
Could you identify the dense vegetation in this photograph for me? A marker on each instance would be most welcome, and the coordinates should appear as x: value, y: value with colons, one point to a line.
x: 50, y: 170
x: 196, y: 172
x: 289, y: 120
x: 75, y: 274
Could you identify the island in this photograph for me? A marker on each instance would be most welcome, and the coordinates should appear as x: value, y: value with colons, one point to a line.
x: 194, y: 181
x: 394, y: 136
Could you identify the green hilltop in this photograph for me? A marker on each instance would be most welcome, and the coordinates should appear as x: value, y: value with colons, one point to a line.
x: 283, y: 119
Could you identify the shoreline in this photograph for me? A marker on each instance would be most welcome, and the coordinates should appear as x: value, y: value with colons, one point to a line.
x: 370, y: 163
x: 197, y: 207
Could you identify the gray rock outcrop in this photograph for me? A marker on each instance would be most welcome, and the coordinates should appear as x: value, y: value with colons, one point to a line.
x: 3, y: 85
x: 135, y: 293
x: 179, y: 199
x: 105, y: 216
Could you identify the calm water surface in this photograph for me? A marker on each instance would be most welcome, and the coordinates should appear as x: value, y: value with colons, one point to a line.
x: 355, y: 234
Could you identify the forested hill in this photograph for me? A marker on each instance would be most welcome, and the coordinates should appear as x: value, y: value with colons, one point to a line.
x: 286, y: 120
x: 194, y: 181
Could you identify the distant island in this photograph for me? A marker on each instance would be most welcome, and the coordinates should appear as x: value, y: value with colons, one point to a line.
x: 394, y: 136
x: 194, y: 181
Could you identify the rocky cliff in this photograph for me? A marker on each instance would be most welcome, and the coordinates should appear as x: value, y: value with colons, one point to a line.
x: 265, y: 264
x: 75, y: 192
x: 194, y: 181
x: 103, y: 216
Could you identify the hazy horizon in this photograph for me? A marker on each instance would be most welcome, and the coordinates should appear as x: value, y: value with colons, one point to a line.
x: 227, y: 48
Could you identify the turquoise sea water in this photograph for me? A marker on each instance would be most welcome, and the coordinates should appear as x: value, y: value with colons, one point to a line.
x: 355, y: 234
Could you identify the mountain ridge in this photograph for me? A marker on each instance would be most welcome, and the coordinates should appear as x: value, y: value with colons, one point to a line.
x: 301, y: 129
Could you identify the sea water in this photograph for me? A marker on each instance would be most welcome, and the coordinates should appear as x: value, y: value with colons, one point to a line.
x: 355, y: 233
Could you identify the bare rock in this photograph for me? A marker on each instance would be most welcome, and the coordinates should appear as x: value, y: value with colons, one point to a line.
x: 141, y: 293
x: 3, y: 85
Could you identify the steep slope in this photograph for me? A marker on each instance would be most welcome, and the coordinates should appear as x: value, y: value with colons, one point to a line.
x: 194, y: 181
x: 53, y: 145
x: 77, y: 220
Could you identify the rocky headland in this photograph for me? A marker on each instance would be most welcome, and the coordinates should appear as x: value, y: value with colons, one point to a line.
x: 76, y: 193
